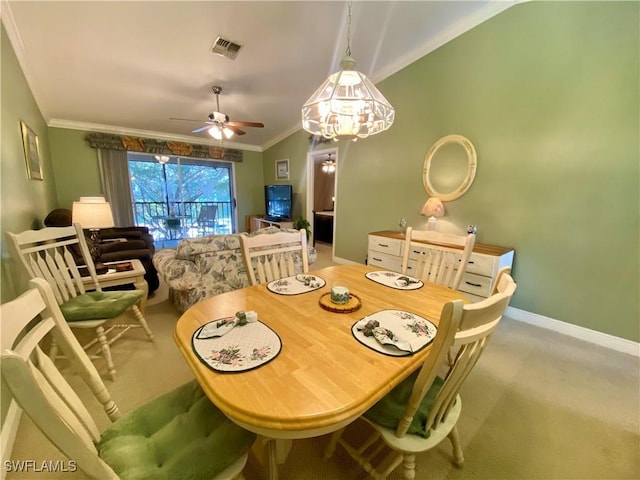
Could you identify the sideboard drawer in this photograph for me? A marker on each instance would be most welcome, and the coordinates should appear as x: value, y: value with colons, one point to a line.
x: 476, y: 284
x: 390, y: 246
x: 481, y: 264
x: 386, y: 261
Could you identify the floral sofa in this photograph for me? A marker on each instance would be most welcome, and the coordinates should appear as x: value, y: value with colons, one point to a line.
x: 200, y: 268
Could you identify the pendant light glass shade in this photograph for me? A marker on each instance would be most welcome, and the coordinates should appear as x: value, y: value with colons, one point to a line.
x: 347, y: 106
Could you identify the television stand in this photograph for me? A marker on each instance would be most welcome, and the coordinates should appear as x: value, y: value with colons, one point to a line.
x: 260, y: 221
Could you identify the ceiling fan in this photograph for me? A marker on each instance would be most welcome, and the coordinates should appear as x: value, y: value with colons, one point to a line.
x: 218, y: 124
x: 329, y: 165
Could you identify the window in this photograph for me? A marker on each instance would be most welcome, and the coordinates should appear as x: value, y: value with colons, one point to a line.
x: 169, y: 197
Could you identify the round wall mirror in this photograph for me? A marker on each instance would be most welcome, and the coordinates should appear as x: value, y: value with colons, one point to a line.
x: 449, y: 168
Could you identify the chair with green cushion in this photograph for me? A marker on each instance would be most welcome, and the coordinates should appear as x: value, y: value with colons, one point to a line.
x: 424, y: 408
x: 49, y: 254
x: 180, y: 435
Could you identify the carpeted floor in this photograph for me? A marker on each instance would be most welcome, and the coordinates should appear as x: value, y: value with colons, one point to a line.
x: 538, y: 405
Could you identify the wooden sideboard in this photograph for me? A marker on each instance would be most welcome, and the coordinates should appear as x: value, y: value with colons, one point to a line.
x: 385, y: 250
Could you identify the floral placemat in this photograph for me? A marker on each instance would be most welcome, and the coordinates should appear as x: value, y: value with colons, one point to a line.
x: 242, y: 348
x: 394, y: 280
x: 394, y: 332
x: 296, y: 284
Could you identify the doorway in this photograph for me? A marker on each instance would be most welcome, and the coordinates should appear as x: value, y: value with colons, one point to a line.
x: 322, y: 182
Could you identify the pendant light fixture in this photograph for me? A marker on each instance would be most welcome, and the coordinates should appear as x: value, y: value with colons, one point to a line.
x: 347, y: 105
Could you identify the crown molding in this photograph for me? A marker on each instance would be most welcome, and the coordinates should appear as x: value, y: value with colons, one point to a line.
x: 93, y: 127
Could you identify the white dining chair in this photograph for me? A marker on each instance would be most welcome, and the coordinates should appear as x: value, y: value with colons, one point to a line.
x: 424, y: 408
x: 274, y: 254
x: 50, y: 254
x: 180, y: 435
x: 437, y: 257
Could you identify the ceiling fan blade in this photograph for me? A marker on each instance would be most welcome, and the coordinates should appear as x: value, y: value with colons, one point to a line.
x: 201, y: 129
x: 238, y: 123
x: 234, y: 129
x: 187, y: 120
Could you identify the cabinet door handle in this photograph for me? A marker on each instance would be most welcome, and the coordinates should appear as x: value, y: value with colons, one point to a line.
x: 473, y: 284
x: 383, y: 245
x: 377, y: 259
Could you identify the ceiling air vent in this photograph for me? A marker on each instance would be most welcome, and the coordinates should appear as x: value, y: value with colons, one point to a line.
x: 226, y: 48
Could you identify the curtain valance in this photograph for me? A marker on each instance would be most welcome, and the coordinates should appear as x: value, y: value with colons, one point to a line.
x: 109, y: 141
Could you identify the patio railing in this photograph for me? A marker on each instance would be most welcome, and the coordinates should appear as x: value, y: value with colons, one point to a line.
x: 178, y: 220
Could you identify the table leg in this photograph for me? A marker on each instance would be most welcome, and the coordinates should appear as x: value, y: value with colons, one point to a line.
x: 273, y: 462
x: 270, y: 452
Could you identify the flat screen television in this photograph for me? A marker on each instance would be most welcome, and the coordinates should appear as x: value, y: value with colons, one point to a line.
x: 278, y: 202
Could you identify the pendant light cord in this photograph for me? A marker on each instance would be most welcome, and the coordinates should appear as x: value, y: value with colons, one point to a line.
x: 349, y: 30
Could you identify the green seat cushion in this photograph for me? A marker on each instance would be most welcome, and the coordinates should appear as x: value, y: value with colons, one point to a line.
x: 388, y: 411
x: 180, y: 435
x: 97, y: 305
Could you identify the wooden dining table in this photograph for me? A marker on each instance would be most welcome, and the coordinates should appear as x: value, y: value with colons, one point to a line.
x: 323, y: 378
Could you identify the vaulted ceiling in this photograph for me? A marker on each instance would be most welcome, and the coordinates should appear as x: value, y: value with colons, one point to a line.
x: 128, y: 67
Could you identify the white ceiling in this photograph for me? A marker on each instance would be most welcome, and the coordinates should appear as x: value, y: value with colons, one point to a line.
x: 128, y: 66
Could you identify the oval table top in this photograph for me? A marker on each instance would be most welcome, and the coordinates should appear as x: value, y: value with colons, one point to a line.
x: 323, y: 378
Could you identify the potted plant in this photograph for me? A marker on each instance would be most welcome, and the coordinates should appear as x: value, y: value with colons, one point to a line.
x: 302, y: 222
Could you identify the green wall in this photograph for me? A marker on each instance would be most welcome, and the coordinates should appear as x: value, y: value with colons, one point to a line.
x: 75, y: 164
x: 548, y: 93
x: 295, y: 149
x: 249, y: 187
x: 24, y: 202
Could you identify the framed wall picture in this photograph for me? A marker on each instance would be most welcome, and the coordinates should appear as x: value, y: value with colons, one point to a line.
x: 282, y: 169
x: 31, y: 152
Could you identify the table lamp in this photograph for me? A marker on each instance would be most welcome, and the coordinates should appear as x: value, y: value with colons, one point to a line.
x: 93, y: 213
x: 432, y: 208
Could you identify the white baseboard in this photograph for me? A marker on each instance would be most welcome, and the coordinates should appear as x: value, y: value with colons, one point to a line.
x: 602, y: 339
x: 8, y: 434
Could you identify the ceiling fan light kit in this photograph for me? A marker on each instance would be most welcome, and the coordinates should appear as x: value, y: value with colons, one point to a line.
x: 218, y: 124
x: 329, y: 165
x: 218, y: 132
x: 347, y: 105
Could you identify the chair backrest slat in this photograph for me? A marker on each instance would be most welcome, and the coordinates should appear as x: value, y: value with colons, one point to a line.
x: 65, y: 393
x: 466, y: 329
x: 271, y: 256
x: 30, y: 308
x: 46, y: 254
x: 437, y: 259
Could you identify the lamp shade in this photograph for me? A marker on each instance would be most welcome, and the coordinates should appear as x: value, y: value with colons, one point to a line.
x: 92, y: 212
x: 433, y: 208
x: 347, y: 106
